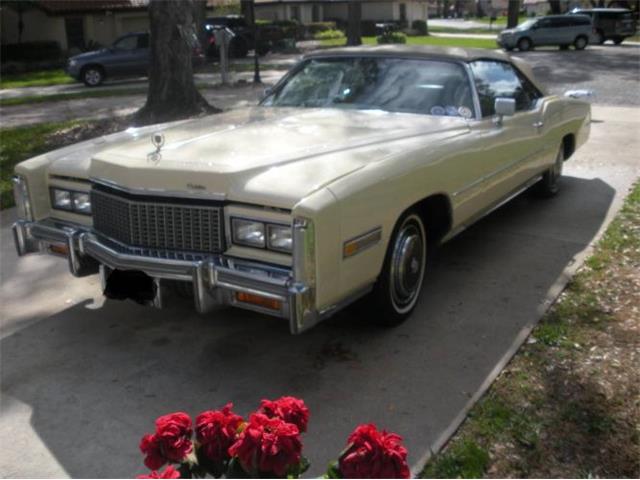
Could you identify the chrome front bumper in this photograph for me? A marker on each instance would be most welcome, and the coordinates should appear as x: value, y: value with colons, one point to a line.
x: 216, y: 279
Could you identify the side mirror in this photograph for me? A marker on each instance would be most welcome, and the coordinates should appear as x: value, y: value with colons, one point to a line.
x: 504, y: 107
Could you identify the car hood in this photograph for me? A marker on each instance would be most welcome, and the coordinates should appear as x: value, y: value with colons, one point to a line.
x: 266, y: 156
x: 89, y: 55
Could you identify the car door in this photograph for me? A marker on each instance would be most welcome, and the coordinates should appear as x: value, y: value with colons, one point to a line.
x: 140, y: 60
x: 122, y: 56
x: 508, y: 151
x: 541, y: 32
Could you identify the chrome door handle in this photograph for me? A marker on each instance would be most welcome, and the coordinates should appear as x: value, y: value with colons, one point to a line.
x: 538, y: 124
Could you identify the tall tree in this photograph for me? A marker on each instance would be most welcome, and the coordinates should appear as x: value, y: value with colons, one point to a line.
x: 172, y: 92
x: 554, y: 6
x: 354, y: 17
x: 512, y: 13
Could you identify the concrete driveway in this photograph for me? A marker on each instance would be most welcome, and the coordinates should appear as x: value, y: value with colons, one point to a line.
x: 82, y: 380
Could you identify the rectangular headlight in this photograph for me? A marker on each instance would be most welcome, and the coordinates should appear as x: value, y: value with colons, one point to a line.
x: 249, y: 233
x: 21, y: 196
x: 71, y: 200
x: 280, y: 238
x: 61, y: 199
x: 81, y: 202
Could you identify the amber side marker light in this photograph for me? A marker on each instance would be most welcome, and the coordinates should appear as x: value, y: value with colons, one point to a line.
x: 59, y: 248
x: 258, y: 300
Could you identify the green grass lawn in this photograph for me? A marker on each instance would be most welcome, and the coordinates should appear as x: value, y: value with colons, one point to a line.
x: 566, y: 406
x: 426, y: 40
x: 58, y: 97
x: 18, y: 144
x: 35, y: 79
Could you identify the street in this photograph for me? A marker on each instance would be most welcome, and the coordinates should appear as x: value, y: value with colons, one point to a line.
x: 83, y: 379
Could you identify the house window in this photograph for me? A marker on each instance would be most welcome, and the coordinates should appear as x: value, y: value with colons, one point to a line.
x: 295, y: 12
x: 403, y: 12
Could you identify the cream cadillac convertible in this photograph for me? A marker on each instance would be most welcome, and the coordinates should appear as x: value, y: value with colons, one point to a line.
x: 354, y: 166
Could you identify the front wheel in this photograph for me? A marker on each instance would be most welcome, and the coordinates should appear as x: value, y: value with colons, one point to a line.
x: 397, y: 290
x: 92, y: 76
x: 524, y: 44
x: 549, y: 185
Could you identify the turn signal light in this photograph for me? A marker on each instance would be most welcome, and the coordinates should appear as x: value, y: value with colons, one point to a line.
x: 59, y: 248
x: 258, y: 300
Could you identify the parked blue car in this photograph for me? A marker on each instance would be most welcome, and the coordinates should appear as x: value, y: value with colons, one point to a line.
x: 128, y: 56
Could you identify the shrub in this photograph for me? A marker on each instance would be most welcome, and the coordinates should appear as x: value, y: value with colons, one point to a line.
x: 329, y: 35
x: 420, y: 26
x: 392, y: 37
x: 316, y: 27
x: 30, y: 51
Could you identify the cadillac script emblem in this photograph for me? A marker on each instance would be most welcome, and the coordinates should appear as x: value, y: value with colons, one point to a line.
x: 157, y: 139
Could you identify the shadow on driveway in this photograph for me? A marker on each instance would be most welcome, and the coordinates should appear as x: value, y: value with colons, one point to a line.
x: 96, y: 379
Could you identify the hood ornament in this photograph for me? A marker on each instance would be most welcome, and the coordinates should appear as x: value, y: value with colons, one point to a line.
x: 157, y: 139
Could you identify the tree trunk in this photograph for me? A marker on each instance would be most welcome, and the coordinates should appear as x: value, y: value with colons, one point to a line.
x: 555, y: 7
x: 512, y: 13
x: 172, y: 92
x: 354, y: 36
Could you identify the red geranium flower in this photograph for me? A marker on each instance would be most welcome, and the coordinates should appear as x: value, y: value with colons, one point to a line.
x: 149, y: 446
x: 374, y: 454
x: 168, y: 472
x: 268, y: 446
x: 173, y: 434
x: 216, y: 430
x: 290, y: 409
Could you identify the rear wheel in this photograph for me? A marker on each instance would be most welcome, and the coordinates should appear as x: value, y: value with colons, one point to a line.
x: 618, y: 40
x: 525, y: 44
x: 398, y: 288
x: 580, y: 43
x: 549, y: 185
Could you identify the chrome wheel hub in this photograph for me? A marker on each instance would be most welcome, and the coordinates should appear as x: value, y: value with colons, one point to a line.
x: 407, y: 266
x: 92, y: 77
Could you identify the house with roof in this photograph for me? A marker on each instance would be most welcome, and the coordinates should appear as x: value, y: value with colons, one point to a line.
x: 307, y: 11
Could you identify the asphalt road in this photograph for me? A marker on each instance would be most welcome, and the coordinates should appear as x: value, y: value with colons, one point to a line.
x: 612, y: 72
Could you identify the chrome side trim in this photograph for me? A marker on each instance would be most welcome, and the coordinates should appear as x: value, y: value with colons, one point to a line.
x: 496, y: 172
x: 363, y: 242
x: 159, y: 192
x: 304, y: 315
x: 21, y: 195
x: 492, y: 207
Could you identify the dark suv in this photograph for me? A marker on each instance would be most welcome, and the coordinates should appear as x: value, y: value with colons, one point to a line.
x: 610, y: 23
x: 240, y: 44
x: 128, y: 56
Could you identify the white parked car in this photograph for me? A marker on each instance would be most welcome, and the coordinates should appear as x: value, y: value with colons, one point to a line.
x: 357, y: 163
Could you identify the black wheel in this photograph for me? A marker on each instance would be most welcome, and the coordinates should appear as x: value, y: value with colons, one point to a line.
x: 598, y: 37
x: 549, y: 185
x: 398, y: 288
x: 580, y: 43
x: 92, y: 76
x: 618, y: 40
x: 525, y: 44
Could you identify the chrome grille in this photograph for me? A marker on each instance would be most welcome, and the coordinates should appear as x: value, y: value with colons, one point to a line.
x: 153, y: 223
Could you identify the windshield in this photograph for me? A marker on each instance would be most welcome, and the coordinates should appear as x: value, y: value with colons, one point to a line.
x: 526, y: 25
x: 390, y: 84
